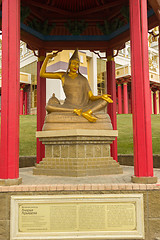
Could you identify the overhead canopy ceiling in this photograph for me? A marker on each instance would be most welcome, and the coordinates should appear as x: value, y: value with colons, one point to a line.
x: 155, y: 4
x: 87, y: 24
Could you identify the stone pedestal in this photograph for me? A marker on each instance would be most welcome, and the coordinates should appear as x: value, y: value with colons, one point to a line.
x: 10, y: 182
x: 77, y: 153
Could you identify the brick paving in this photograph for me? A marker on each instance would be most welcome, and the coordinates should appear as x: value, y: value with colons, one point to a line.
x: 30, y: 179
x: 53, y: 183
x: 125, y: 178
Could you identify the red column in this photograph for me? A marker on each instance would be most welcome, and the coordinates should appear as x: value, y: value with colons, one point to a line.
x: 159, y: 64
x: 154, y: 103
x: 9, y: 158
x: 159, y: 49
x: 21, y: 101
x: 159, y: 101
x: 111, y: 108
x: 25, y: 103
x: 131, y: 101
x: 151, y: 100
x: 142, y: 135
x: 125, y: 98
x: 41, y: 103
x: 119, y: 98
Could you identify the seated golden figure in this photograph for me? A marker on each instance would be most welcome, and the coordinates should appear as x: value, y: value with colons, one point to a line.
x: 79, y: 97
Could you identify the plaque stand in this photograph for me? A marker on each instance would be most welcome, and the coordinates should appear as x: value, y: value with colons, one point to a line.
x: 77, y: 153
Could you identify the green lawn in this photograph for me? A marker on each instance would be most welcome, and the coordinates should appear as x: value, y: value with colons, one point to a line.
x: 125, y: 134
x: 27, y: 143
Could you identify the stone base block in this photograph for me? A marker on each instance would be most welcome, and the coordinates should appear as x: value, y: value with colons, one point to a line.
x: 9, y: 182
x: 71, y: 167
x: 77, y: 153
x: 144, y: 180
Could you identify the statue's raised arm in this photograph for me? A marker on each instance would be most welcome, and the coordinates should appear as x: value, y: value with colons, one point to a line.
x: 53, y: 75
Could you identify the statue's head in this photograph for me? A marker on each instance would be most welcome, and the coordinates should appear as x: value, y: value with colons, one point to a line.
x: 74, y: 62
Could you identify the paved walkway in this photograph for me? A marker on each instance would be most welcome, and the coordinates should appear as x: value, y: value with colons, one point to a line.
x: 125, y: 178
x: 120, y: 182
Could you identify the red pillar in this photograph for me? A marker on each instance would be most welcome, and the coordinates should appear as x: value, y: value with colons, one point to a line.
x: 119, y: 99
x: 159, y: 101
x: 125, y: 98
x: 41, y: 103
x: 21, y: 101
x: 9, y: 158
x: 131, y: 101
x: 25, y: 103
x: 151, y: 100
x: 154, y: 103
x: 142, y: 135
x: 111, y: 108
x: 159, y: 64
x: 159, y: 49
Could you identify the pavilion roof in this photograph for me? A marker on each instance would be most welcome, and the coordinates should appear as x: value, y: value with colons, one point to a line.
x: 86, y: 24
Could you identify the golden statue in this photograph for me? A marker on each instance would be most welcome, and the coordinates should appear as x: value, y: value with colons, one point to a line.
x: 79, y: 97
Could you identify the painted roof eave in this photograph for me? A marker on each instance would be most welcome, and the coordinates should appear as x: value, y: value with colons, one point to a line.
x: 155, y: 4
x: 109, y: 37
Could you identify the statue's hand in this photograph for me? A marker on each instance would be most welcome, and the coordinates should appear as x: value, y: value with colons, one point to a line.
x: 78, y: 111
x: 51, y: 55
x: 107, y: 98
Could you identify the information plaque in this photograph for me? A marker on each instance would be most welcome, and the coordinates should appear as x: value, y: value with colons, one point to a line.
x: 111, y: 216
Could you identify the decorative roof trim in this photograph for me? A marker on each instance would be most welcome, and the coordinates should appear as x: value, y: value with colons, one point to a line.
x: 77, y: 37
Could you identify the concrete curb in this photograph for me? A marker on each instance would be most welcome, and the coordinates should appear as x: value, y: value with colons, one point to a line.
x: 123, y: 159
x: 27, y: 161
x: 128, y: 160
